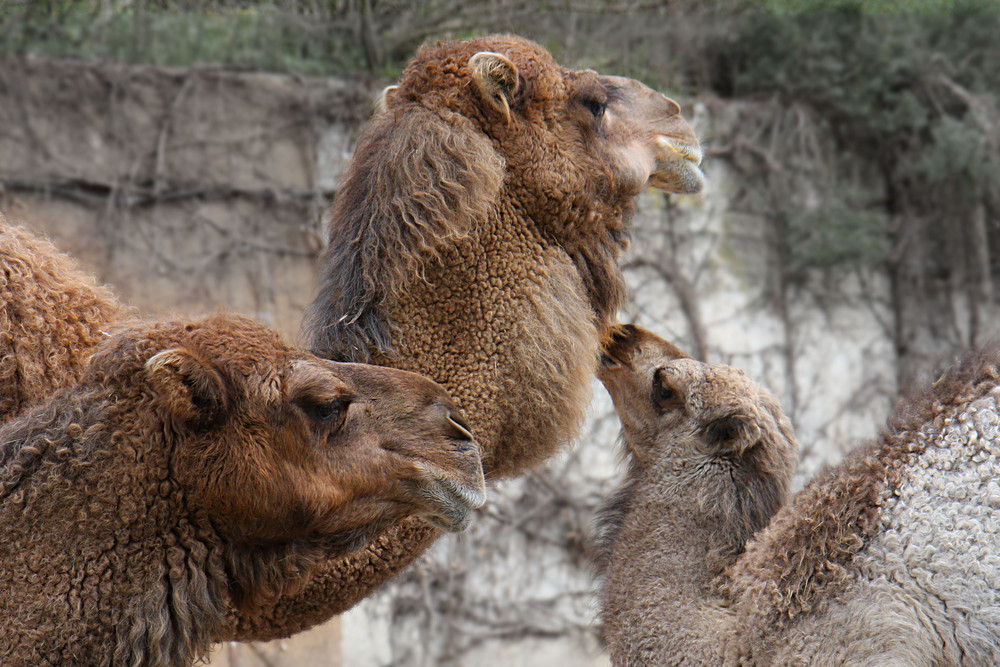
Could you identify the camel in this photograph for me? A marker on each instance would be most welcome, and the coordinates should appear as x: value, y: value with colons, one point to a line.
x: 885, y: 559
x: 475, y: 239
x: 201, y: 467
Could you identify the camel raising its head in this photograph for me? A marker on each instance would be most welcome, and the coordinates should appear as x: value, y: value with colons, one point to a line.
x: 683, y: 420
x: 475, y: 239
x: 710, y: 458
x: 476, y: 236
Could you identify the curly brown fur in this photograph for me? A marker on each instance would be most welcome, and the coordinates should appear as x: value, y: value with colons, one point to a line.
x: 200, y: 468
x: 475, y: 239
x: 52, y: 315
x: 863, y: 566
x: 391, y: 215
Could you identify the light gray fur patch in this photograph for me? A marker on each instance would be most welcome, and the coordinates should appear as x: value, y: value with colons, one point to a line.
x: 939, y: 546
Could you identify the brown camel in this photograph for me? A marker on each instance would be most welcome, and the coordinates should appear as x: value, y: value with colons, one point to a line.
x: 889, y: 558
x: 199, y: 468
x: 475, y: 239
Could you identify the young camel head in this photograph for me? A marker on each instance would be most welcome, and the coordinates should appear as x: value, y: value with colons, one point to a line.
x: 695, y: 428
x: 273, y: 445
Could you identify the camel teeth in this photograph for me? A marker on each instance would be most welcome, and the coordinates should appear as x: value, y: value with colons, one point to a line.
x: 690, y: 153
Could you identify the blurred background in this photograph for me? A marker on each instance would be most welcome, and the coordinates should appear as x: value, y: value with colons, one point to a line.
x: 847, y: 245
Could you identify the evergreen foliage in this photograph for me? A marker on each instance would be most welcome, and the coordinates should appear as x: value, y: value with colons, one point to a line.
x: 888, y: 159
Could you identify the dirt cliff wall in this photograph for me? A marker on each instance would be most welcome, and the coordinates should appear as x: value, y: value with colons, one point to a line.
x: 186, y: 189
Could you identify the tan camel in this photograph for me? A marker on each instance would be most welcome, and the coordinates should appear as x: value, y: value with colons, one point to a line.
x: 475, y: 239
x: 889, y: 558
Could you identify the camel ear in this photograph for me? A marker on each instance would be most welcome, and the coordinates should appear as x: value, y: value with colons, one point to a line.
x: 191, y: 387
x: 385, y: 100
x: 495, y: 77
x: 729, y: 436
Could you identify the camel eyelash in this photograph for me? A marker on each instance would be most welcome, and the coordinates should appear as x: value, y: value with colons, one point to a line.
x: 324, y: 410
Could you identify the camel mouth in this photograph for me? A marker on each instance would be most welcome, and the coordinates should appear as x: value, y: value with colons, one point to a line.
x: 683, y: 151
x: 677, y: 167
x: 448, y: 504
x: 619, y: 348
x: 627, y: 340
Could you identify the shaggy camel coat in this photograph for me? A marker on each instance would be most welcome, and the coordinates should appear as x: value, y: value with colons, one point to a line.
x: 890, y: 558
x: 475, y: 239
x: 51, y: 317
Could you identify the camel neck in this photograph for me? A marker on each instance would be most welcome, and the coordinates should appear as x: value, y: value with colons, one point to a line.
x: 664, y: 560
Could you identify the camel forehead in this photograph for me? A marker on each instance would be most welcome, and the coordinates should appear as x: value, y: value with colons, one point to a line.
x: 707, y: 386
x: 249, y: 353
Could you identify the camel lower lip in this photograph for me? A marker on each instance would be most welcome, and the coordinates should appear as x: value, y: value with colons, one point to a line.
x: 681, y: 177
x: 454, y: 514
x: 449, y: 504
x: 470, y: 497
x: 676, y: 169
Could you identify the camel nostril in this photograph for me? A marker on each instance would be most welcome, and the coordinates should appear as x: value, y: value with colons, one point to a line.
x: 460, y: 428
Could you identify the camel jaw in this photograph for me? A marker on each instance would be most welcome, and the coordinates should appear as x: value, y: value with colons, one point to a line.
x: 676, y: 168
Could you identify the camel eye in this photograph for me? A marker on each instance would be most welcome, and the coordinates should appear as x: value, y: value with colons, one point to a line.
x: 595, y: 107
x: 325, y: 412
x: 664, y: 393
